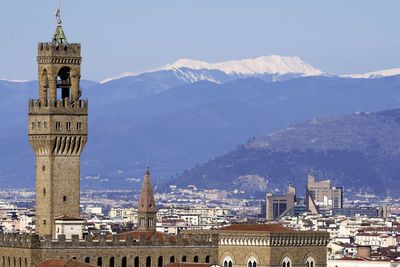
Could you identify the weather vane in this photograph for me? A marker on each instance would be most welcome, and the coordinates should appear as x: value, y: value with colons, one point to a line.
x: 57, y: 14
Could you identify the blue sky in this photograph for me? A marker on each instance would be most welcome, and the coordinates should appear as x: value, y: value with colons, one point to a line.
x: 119, y: 36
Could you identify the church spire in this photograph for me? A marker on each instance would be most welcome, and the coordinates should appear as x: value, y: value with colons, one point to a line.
x: 147, y: 207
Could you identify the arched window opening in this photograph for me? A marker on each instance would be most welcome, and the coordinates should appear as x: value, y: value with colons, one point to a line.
x: 20, y: 262
x: 64, y: 82
x: 160, y: 261
x: 286, y: 262
x: 15, y: 262
x: 123, y: 262
x: 184, y: 259
x: 172, y: 259
x: 228, y: 262
x: 9, y: 261
x: 74, y: 258
x: 148, y: 261
x: 26, y: 262
x: 310, y: 262
x: 251, y: 262
x: 112, y: 262
x: 196, y: 259
x: 136, y: 261
x: 99, y: 261
x: 87, y: 260
x: 207, y: 259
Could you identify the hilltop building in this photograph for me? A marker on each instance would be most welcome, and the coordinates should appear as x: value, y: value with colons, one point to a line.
x: 58, y: 133
x: 321, y: 197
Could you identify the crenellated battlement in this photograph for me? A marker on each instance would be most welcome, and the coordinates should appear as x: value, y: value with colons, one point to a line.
x: 64, y: 106
x: 36, y: 242
x: 50, y: 49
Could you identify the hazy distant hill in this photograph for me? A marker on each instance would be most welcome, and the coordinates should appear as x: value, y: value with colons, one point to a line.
x: 354, y: 151
x: 178, y: 123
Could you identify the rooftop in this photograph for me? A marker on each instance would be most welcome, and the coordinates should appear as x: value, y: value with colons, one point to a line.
x: 63, y: 263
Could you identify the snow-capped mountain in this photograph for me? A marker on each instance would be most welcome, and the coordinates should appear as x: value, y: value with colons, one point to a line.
x: 271, y: 68
x: 375, y: 74
x: 273, y: 64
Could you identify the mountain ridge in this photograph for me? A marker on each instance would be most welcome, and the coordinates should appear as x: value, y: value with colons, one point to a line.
x: 358, y: 150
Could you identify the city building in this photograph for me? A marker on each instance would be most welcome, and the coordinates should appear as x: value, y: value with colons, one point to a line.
x: 321, y: 197
x: 277, y: 205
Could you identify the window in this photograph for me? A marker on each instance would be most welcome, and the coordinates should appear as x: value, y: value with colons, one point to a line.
x: 33, y: 125
x: 44, y: 222
x: 99, y: 261
x: 112, y: 262
x: 142, y: 221
x: 184, y: 259
x: 123, y: 263
x: 39, y: 125
x: 196, y: 259
x: 43, y: 168
x: 79, y: 126
x: 45, y: 124
x: 58, y: 125
x: 228, y: 262
x: 207, y: 259
x: 136, y: 261
x: 172, y: 259
x: 252, y: 262
x: 148, y: 261
x: 68, y: 125
x: 160, y: 261
x: 310, y: 262
x: 64, y: 198
x: 286, y: 262
x: 87, y: 260
x: 150, y: 222
x: 44, y: 191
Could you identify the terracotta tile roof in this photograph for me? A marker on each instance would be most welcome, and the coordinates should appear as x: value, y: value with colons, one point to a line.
x: 188, y: 264
x: 63, y: 262
x: 256, y: 228
x: 345, y: 245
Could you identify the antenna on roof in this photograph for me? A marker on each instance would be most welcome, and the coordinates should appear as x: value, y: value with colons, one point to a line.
x: 57, y: 13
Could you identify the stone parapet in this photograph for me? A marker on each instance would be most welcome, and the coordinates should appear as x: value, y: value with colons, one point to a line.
x: 45, y: 242
x: 64, y: 106
x: 50, y: 49
x: 288, y: 239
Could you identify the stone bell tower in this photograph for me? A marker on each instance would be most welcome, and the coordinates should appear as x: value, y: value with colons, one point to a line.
x: 57, y: 131
x: 146, y: 220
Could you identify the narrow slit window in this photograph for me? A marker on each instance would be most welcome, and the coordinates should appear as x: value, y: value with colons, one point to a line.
x: 68, y: 125
x: 45, y: 124
x: 79, y: 126
x: 64, y: 198
x: 58, y: 125
x: 33, y: 125
x: 39, y: 124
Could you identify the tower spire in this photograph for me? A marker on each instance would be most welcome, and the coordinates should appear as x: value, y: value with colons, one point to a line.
x: 147, y: 207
